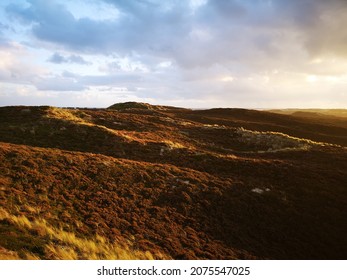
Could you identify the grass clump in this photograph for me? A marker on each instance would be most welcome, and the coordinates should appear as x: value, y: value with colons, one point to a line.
x: 62, y: 245
x: 64, y: 114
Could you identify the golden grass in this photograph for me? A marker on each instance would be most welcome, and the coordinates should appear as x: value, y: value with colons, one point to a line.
x: 63, y: 245
x: 173, y: 145
x: 8, y: 255
x: 64, y: 114
x: 67, y: 115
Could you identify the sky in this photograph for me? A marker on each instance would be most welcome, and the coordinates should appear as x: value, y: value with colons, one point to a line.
x: 187, y: 53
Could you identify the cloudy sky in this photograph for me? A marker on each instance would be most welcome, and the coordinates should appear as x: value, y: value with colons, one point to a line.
x: 189, y: 53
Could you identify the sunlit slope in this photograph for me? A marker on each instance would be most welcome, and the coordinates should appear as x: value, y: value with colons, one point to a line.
x: 322, y: 129
x: 161, y: 134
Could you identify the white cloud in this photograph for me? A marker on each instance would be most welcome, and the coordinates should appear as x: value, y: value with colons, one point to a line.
x: 17, y: 65
x: 231, y: 53
x: 59, y: 84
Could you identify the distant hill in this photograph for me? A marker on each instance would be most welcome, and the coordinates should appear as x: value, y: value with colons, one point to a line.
x: 130, y: 105
x: 141, y: 181
x: 340, y: 113
x: 141, y: 105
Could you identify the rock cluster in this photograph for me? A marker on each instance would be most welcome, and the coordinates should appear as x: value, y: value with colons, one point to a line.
x: 271, y: 141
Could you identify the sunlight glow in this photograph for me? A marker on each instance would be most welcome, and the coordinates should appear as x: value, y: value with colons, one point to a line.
x: 227, y: 79
x: 334, y: 79
x: 311, y: 78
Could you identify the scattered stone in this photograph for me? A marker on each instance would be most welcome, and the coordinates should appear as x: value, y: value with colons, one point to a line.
x: 184, y: 132
x: 257, y: 190
x: 186, y: 182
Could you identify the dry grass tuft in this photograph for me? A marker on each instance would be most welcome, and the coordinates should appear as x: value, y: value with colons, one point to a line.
x: 63, y: 245
x: 173, y: 145
x: 63, y: 114
x: 7, y: 254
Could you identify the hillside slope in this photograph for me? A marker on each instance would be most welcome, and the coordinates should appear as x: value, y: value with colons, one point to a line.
x: 145, y: 181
